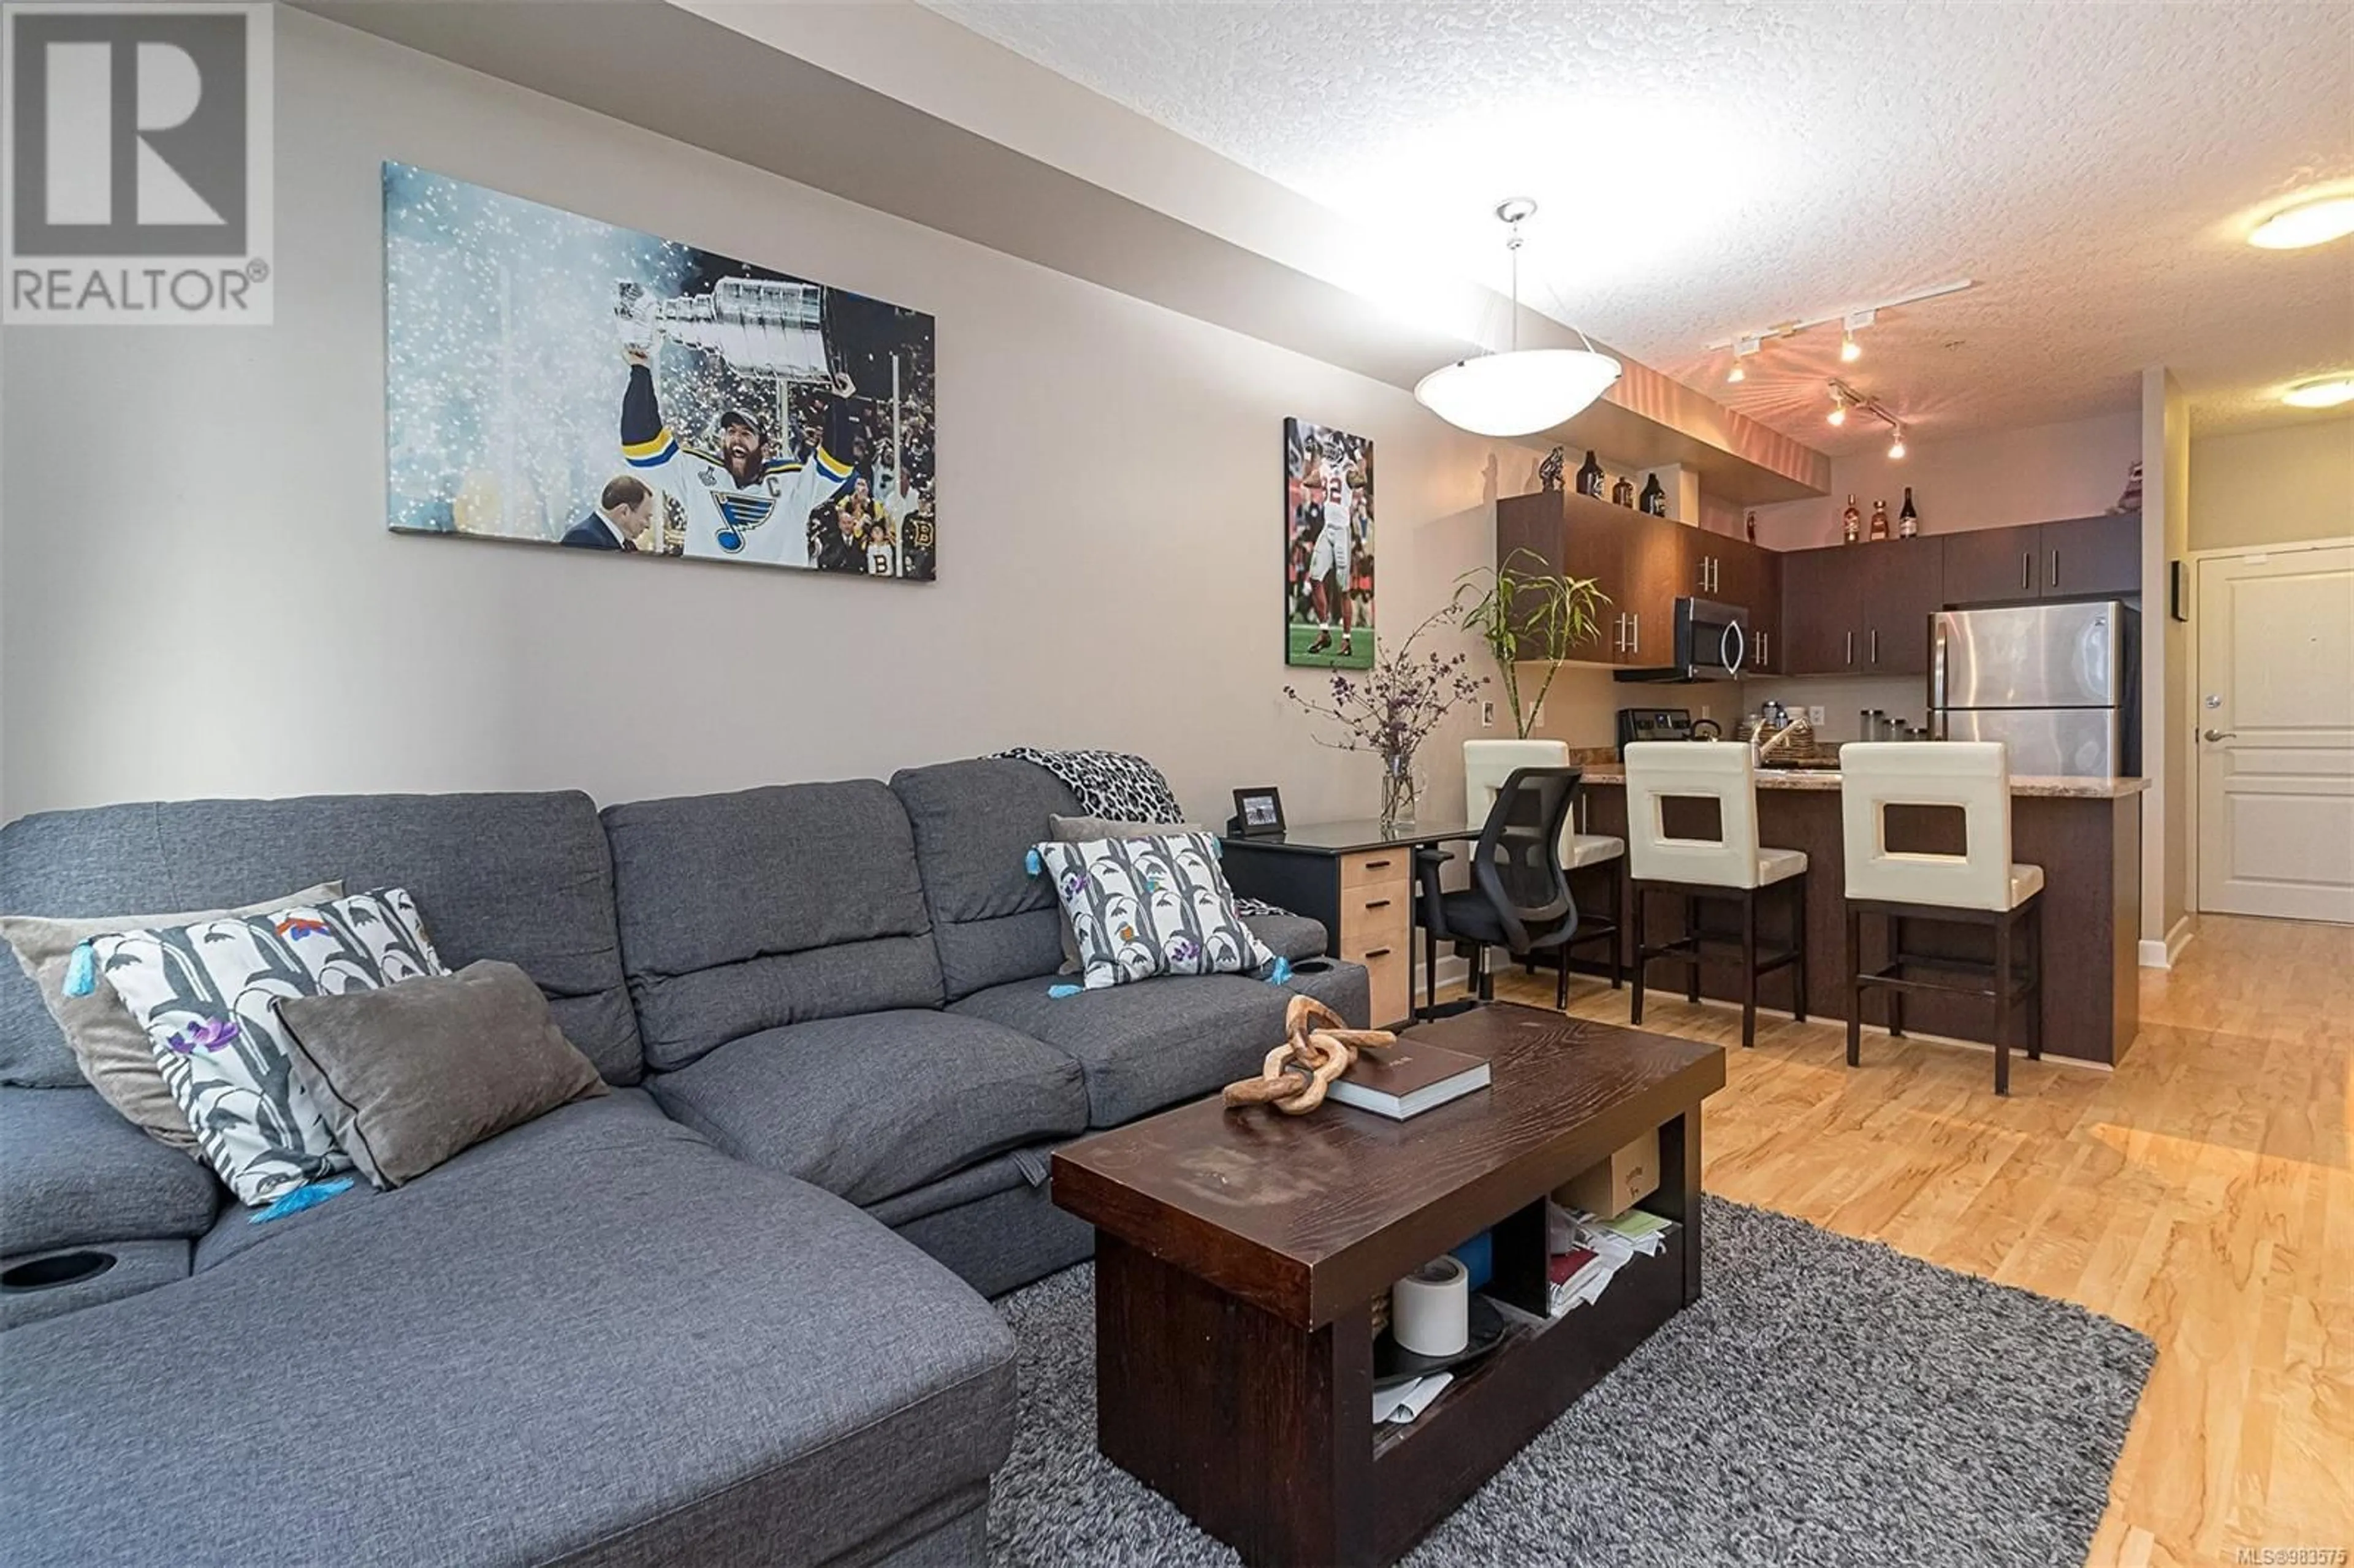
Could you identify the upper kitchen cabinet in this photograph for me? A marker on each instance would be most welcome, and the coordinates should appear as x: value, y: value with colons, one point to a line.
x: 2083, y: 557
x: 1634, y: 559
x: 1733, y: 571
x: 1858, y: 609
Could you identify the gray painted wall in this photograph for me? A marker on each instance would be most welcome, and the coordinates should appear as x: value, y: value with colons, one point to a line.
x: 198, y: 594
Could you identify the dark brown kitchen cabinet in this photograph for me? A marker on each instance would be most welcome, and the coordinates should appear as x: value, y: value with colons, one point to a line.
x: 1733, y: 571
x: 1990, y: 566
x: 1859, y: 610
x: 1821, y: 603
x: 2082, y: 558
x: 1636, y: 561
x: 2091, y: 557
x: 1903, y: 585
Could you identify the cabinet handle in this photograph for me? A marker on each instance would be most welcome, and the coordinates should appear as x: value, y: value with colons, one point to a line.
x: 1377, y: 904
x: 2026, y: 570
x: 2055, y: 568
x: 1875, y: 645
x: 1377, y: 865
x: 1636, y: 646
x: 1848, y: 657
x: 1377, y: 952
x: 1763, y: 644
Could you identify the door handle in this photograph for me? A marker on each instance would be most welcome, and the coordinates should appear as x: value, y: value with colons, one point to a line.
x: 2219, y: 734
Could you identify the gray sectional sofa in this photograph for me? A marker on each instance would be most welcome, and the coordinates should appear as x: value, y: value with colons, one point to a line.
x: 731, y: 1312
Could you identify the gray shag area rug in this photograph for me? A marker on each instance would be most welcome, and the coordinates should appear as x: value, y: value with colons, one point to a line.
x: 1828, y: 1401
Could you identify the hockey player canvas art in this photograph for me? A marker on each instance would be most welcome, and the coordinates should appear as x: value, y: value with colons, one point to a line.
x: 1328, y: 540
x: 558, y: 380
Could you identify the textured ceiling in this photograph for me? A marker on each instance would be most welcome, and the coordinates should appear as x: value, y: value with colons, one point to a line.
x: 1705, y: 169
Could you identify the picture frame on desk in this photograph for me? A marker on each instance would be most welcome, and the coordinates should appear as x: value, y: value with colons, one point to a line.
x: 1259, y: 813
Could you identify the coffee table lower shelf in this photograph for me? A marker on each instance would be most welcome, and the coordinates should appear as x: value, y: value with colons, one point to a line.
x: 1263, y: 1433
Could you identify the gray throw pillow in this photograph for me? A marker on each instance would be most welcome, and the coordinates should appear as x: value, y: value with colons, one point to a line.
x: 412, y: 1073
x: 107, y: 1043
x: 1084, y: 830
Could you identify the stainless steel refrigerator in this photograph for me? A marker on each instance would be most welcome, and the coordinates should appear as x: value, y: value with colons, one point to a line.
x: 2057, y: 682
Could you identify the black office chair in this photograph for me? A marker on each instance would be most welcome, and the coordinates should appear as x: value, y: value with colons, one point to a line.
x: 1518, y: 898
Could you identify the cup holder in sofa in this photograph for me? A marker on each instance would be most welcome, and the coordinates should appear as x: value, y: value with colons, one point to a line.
x: 57, y: 1268
x: 1311, y: 966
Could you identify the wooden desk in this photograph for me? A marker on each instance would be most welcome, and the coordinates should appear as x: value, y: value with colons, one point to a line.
x: 1358, y: 879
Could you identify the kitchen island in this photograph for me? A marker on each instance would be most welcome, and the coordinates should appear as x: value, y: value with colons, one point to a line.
x: 2084, y: 832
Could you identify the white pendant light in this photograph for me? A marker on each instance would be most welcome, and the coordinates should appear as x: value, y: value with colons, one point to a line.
x: 1522, y: 391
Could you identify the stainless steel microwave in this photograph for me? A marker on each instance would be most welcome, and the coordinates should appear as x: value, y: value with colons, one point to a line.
x: 1711, y: 644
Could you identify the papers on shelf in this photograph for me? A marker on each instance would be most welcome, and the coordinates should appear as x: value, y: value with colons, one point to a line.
x: 1586, y: 1252
x: 1408, y: 1400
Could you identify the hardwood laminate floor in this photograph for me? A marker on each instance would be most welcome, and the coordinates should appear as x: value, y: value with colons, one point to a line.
x: 2201, y: 1192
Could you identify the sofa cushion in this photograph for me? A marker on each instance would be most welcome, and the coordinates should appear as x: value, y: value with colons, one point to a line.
x: 833, y: 921
x: 975, y: 824
x: 626, y: 1348
x: 523, y: 877
x: 870, y: 1107
x: 207, y: 995
x: 1296, y: 936
x: 410, y: 1075
x: 72, y: 1171
x: 1157, y: 1041
x: 107, y: 1043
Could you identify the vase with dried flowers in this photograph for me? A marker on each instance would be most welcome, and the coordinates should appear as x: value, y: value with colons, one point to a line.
x: 1391, y: 709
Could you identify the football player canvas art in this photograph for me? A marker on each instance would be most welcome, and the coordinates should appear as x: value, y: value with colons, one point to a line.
x: 1328, y: 538
x: 558, y: 380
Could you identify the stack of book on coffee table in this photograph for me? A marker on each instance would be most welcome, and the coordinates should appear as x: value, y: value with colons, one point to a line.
x: 1587, y: 1252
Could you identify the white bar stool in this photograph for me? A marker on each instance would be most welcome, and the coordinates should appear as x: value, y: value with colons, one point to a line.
x: 1487, y: 764
x: 1979, y: 887
x: 1732, y: 865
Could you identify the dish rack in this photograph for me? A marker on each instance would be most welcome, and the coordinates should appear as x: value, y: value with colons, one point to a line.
x: 1805, y: 749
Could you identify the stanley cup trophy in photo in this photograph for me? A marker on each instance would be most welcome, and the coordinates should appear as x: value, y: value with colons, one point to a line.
x: 557, y: 380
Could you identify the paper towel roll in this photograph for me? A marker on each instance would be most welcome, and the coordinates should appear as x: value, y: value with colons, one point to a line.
x: 1430, y: 1309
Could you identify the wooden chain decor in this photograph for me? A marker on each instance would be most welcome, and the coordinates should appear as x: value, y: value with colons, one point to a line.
x: 1297, y: 1073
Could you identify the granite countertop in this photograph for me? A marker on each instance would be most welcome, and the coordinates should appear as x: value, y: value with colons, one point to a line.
x: 1828, y: 780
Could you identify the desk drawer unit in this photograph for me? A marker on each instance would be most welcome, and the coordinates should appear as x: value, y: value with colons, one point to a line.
x: 1377, y: 931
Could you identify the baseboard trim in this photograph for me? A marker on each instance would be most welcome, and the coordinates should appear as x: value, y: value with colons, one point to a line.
x: 2158, y: 955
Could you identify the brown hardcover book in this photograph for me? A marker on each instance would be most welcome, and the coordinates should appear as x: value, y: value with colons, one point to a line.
x: 1408, y: 1078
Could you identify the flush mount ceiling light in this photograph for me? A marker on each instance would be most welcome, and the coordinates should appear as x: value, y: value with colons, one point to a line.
x: 1522, y: 390
x: 2322, y: 392
x: 2307, y: 223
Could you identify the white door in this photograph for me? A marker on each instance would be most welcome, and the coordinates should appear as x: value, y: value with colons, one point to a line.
x: 2275, y: 733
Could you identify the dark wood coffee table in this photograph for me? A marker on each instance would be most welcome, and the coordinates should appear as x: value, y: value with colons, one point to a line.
x: 1238, y: 1254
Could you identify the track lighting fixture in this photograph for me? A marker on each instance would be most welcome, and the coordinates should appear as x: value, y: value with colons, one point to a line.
x: 1838, y: 416
x: 1743, y: 347
x: 1846, y: 398
x: 1896, y: 444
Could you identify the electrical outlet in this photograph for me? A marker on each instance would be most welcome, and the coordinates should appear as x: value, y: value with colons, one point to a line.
x: 1487, y: 714
x: 1814, y: 714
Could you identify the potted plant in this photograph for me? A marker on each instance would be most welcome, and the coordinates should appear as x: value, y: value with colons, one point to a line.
x: 1527, y: 614
x: 1391, y: 709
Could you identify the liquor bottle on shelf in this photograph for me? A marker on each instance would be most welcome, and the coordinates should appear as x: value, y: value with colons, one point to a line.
x: 1850, y: 523
x: 1880, y: 520
x: 1908, y: 521
x: 1749, y: 523
x: 1653, y: 501
x: 1590, y: 477
x: 1622, y: 493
